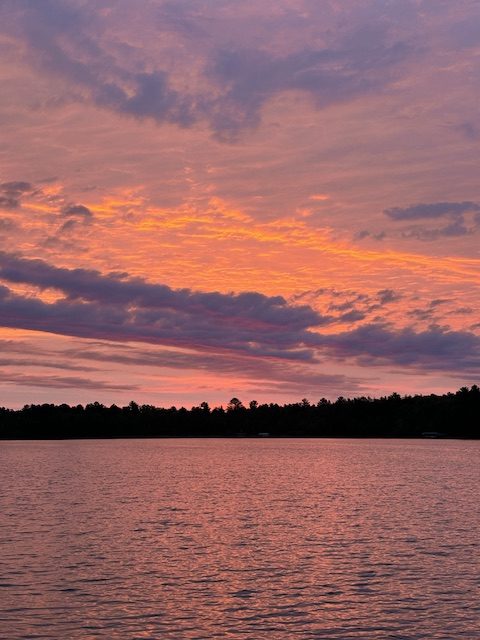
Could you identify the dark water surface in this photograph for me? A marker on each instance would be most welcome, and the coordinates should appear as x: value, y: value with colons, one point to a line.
x: 334, y: 539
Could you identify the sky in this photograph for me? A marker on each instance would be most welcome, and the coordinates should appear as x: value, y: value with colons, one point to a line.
x: 271, y: 200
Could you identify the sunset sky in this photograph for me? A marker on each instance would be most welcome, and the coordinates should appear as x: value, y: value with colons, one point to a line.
x: 272, y: 199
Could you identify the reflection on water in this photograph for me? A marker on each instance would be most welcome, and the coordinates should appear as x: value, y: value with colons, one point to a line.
x: 251, y: 539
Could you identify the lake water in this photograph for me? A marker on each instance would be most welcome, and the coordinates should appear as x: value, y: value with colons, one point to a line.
x: 250, y: 539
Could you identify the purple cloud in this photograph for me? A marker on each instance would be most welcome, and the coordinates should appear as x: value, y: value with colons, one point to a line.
x: 435, y: 349
x: 328, y: 75
x: 234, y: 83
x: 77, y: 211
x: 431, y: 211
x: 386, y: 296
x: 116, y: 307
x: 61, y: 382
x: 454, y: 211
x: 452, y: 230
x: 11, y: 193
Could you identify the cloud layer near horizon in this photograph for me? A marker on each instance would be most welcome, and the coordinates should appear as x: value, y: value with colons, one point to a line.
x: 117, y: 307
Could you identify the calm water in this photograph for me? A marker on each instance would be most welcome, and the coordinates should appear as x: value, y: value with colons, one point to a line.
x: 254, y: 539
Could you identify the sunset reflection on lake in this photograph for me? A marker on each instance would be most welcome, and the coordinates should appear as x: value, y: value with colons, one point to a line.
x: 333, y: 539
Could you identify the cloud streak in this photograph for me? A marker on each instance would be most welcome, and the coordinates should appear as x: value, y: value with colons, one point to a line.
x: 454, y: 211
x: 61, y: 382
x: 117, y: 307
x: 435, y: 349
x: 431, y: 211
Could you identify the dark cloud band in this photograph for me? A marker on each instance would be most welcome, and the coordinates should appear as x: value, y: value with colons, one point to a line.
x: 117, y: 307
x: 431, y: 211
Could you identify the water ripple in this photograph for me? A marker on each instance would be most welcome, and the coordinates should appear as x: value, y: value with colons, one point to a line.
x: 277, y: 539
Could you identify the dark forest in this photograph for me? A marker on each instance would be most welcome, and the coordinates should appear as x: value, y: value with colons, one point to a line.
x: 452, y: 415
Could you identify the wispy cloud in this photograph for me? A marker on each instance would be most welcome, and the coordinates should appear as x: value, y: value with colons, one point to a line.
x: 61, y: 382
x: 431, y: 211
x: 455, y: 211
x: 64, y: 40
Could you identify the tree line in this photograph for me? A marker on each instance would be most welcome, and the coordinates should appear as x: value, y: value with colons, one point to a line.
x: 452, y: 415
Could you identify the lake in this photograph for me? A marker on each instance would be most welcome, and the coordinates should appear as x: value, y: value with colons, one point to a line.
x: 250, y: 539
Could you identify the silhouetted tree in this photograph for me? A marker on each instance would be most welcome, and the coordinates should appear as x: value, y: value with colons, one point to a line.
x: 234, y: 405
x: 453, y: 415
